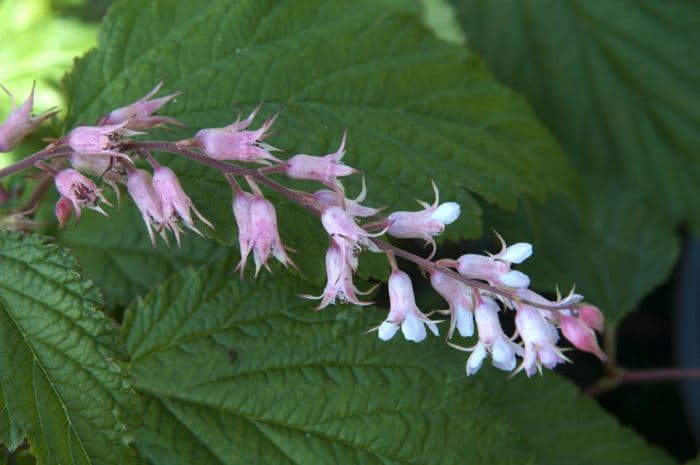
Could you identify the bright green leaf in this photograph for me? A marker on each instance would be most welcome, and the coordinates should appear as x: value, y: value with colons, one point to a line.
x: 61, y: 360
x: 270, y: 381
x: 416, y: 108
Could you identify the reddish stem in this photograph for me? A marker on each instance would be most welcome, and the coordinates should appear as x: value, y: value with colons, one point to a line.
x: 28, y: 162
x: 651, y: 375
x: 304, y: 199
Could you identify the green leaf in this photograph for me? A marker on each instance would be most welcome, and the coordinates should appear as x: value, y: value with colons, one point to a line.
x: 415, y: 107
x: 62, y: 369
x: 617, y: 82
x: 123, y: 263
x: 270, y: 381
x: 611, y: 80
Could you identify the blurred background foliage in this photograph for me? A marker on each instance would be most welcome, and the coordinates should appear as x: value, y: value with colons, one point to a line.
x: 45, y: 36
x: 41, y: 38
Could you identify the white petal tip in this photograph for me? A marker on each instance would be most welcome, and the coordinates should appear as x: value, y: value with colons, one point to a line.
x: 516, y: 253
x: 447, y: 213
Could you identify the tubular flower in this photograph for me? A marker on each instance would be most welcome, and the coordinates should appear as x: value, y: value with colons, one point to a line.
x: 592, y: 317
x: 339, y: 268
x: 326, y: 169
x: 263, y: 220
x: 99, y: 140
x: 139, y: 115
x: 426, y: 223
x: 80, y: 190
x: 495, y: 268
x: 107, y: 169
x: 580, y: 335
x: 241, y: 204
x: 20, y: 122
x: 233, y: 142
x: 404, y: 312
x: 140, y: 186
x: 458, y: 297
x: 63, y: 211
x: 492, y: 340
x: 344, y: 231
x: 327, y: 198
x: 174, y: 202
x: 539, y: 338
x: 257, y: 229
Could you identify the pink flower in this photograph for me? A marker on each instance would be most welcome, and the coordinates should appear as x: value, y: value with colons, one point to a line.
x: 63, y: 211
x: 580, y: 335
x: 106, y: 168
x: 492, y: 340
x: 404, y: 312
x: 99, y: 140
x: 242, y: 201
x: 343, y: 229
x: 81, y: 191
x: 539, y: 338
x: 233, y: 142
x: 326, y: 169
x: 20, y: 123
x: 592, y: 317
x: 257, y: 228
x: 140, y: 187
x: 459, y: 298
x: 266, y: 237
x: 426, y: 223
x: 139, y: 115
x: 496, y: 268
x: 174, y: 202
x: 339, y: 268
x: 327, y: 198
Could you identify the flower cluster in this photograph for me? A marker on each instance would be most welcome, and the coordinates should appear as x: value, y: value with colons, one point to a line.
x: 479, y: 290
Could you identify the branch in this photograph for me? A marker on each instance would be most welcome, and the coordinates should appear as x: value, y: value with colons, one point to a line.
x: 28, y: 162
x: 305, y: 201
x: 651, y: 375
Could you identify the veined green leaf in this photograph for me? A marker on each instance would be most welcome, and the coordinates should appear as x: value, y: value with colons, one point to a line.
x: 237, y: 372
x: 616, y: 82
x: 62, y: 369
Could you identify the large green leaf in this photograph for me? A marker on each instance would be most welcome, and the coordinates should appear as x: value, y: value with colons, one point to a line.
x: 62, y: 369
x: 415, y: 107
x: 617, y: 82
x: 244, y: 372
x: 613, y: 81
